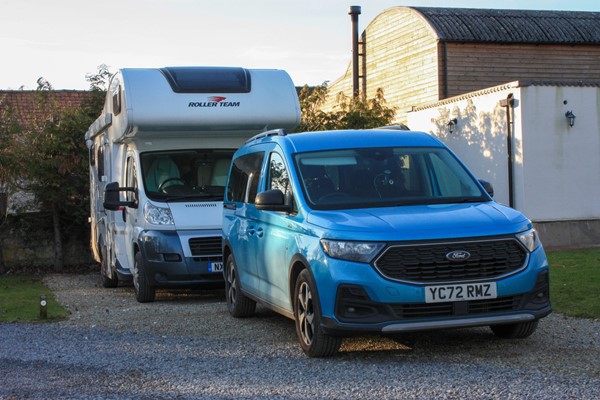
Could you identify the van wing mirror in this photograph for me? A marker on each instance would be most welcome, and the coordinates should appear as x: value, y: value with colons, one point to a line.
x: 272, y: 200
x: 112, y: 197
x: 488, y: 187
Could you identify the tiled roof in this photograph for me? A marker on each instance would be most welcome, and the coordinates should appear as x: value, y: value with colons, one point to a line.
x: 25, y: 103
x: 513, y: 26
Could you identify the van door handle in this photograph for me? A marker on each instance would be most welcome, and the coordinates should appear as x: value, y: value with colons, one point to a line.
x: 259, y: 232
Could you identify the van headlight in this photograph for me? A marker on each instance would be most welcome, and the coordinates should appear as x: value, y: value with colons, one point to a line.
x: 351, y: 251
x: 529, y: 239
x: 157, y: 215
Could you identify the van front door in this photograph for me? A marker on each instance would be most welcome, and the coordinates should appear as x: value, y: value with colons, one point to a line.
x: 130, y: 214
x: 273, y: 247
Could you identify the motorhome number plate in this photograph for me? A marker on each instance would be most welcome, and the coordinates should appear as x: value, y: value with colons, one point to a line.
x: 463, y: 292
x: 215, y: 267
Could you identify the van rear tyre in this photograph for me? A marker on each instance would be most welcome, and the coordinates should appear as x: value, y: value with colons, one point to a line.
x: 107, y: 281
x: 519, y: 330
x: 144, y: 291
x: 238, y: 304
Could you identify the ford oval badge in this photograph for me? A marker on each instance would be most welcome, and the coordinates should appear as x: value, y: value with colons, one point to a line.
x: 458, y: 255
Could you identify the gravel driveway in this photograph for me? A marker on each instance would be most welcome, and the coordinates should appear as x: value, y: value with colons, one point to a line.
x: 185, y: 345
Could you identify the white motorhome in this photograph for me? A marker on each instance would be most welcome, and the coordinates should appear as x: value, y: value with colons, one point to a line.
x: 159, y: 157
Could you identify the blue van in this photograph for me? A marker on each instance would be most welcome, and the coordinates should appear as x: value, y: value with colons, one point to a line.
x: 375, y: 231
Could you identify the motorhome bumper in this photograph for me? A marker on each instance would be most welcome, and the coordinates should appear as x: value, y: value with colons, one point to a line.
x: 166, y: 265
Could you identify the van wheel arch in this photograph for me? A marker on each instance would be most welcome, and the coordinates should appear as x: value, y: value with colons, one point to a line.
x: 299, y: 264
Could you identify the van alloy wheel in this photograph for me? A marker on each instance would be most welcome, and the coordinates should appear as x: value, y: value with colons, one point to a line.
x: 238, y: 304
x: 307, y: 315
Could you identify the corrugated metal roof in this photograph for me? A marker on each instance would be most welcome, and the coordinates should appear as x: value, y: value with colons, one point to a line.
x: 513, y: 26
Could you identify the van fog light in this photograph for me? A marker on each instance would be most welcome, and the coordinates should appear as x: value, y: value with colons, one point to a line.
x: 173, y: 257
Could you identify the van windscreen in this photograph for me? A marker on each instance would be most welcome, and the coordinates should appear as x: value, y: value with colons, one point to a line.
x: 208, y: 79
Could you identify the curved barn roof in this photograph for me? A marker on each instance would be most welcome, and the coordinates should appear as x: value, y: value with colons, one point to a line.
x: 513, y: 26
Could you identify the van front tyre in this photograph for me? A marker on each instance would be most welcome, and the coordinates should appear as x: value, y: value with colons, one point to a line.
x: 519, y: 330
x: 144, y: 291
x: 239, y: 306
x: 307, y: 314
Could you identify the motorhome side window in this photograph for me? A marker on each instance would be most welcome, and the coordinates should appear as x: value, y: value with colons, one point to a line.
x: 100, y: 159
x: 279, y: 178
x: 244, y: 178
x: 183, y: 175
x: 131, y: 179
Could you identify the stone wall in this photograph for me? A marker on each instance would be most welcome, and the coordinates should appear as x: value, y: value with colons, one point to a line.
x: 27, y: 241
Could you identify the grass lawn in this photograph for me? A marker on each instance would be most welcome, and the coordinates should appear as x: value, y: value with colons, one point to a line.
x: 574, y: 289
x: 20, y: 299
x: 575, y: 282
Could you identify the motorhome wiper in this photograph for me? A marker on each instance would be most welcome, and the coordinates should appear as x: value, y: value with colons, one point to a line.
x: 201, y: 197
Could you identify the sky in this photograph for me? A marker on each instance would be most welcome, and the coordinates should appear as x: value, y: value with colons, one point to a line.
x: 63, y: 40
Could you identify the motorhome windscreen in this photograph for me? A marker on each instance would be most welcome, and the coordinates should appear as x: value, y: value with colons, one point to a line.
x: 380, y: 177
x: 184, y: 175
x: 208, y: 79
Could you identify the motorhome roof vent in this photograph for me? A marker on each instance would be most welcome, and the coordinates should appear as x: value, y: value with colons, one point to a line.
x: 208, y: 79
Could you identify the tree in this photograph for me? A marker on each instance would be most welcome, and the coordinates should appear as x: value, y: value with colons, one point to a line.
x: 350, y: 113
x: 47, y: 158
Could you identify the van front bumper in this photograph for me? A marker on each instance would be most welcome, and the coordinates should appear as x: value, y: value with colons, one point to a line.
x: 356, y: 312
x: 167, y: 264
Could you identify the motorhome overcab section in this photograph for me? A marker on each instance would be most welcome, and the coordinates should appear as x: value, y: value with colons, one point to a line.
x: 158, y: 166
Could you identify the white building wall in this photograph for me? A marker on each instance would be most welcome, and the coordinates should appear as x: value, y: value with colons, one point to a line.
x: 479, y: 138
x: 556, y: 173
x: 562, y: 168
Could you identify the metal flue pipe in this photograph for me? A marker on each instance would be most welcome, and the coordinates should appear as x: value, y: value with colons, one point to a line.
x: 354, y: 12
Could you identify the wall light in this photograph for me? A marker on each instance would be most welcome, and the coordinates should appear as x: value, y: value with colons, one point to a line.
x: 570, y: 118
x: 452, y: 125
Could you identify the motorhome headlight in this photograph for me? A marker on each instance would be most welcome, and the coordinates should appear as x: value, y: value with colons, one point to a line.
x: 157, y: 215
x: 352, y: 251
x: 529, y: 239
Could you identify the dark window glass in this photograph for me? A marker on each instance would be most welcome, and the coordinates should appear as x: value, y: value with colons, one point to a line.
x: 380, y: 177
x: 208, y: 79
x: 93, y: 155
x: 184, y: 175
x: 244, y: 178
x: 280, y: 179
x: 100, y: 159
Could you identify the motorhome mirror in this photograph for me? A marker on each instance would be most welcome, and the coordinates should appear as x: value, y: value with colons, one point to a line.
x: 112, y: 200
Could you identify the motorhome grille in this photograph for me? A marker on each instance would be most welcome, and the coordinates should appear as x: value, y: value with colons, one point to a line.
x: 427, y: 263
x: 205, y: 246
x: 458, y: 308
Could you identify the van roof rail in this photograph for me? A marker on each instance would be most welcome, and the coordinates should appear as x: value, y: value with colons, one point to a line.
x: 272, y: 132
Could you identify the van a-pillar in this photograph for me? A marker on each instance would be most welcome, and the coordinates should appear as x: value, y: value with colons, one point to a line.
x: 509, y: 104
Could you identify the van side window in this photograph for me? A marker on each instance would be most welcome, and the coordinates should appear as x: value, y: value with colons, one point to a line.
x: 279, y: 178
x: 245, y: 175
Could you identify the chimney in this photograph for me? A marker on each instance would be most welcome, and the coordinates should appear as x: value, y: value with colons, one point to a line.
x: 354, y: 12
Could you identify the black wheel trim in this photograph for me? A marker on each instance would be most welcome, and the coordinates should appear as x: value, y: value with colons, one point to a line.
x: 305, y: 313
x: 232, y: 290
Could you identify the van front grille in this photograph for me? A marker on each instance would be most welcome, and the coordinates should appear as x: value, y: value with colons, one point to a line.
x: 428, y: 263
x: 206, y: 246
